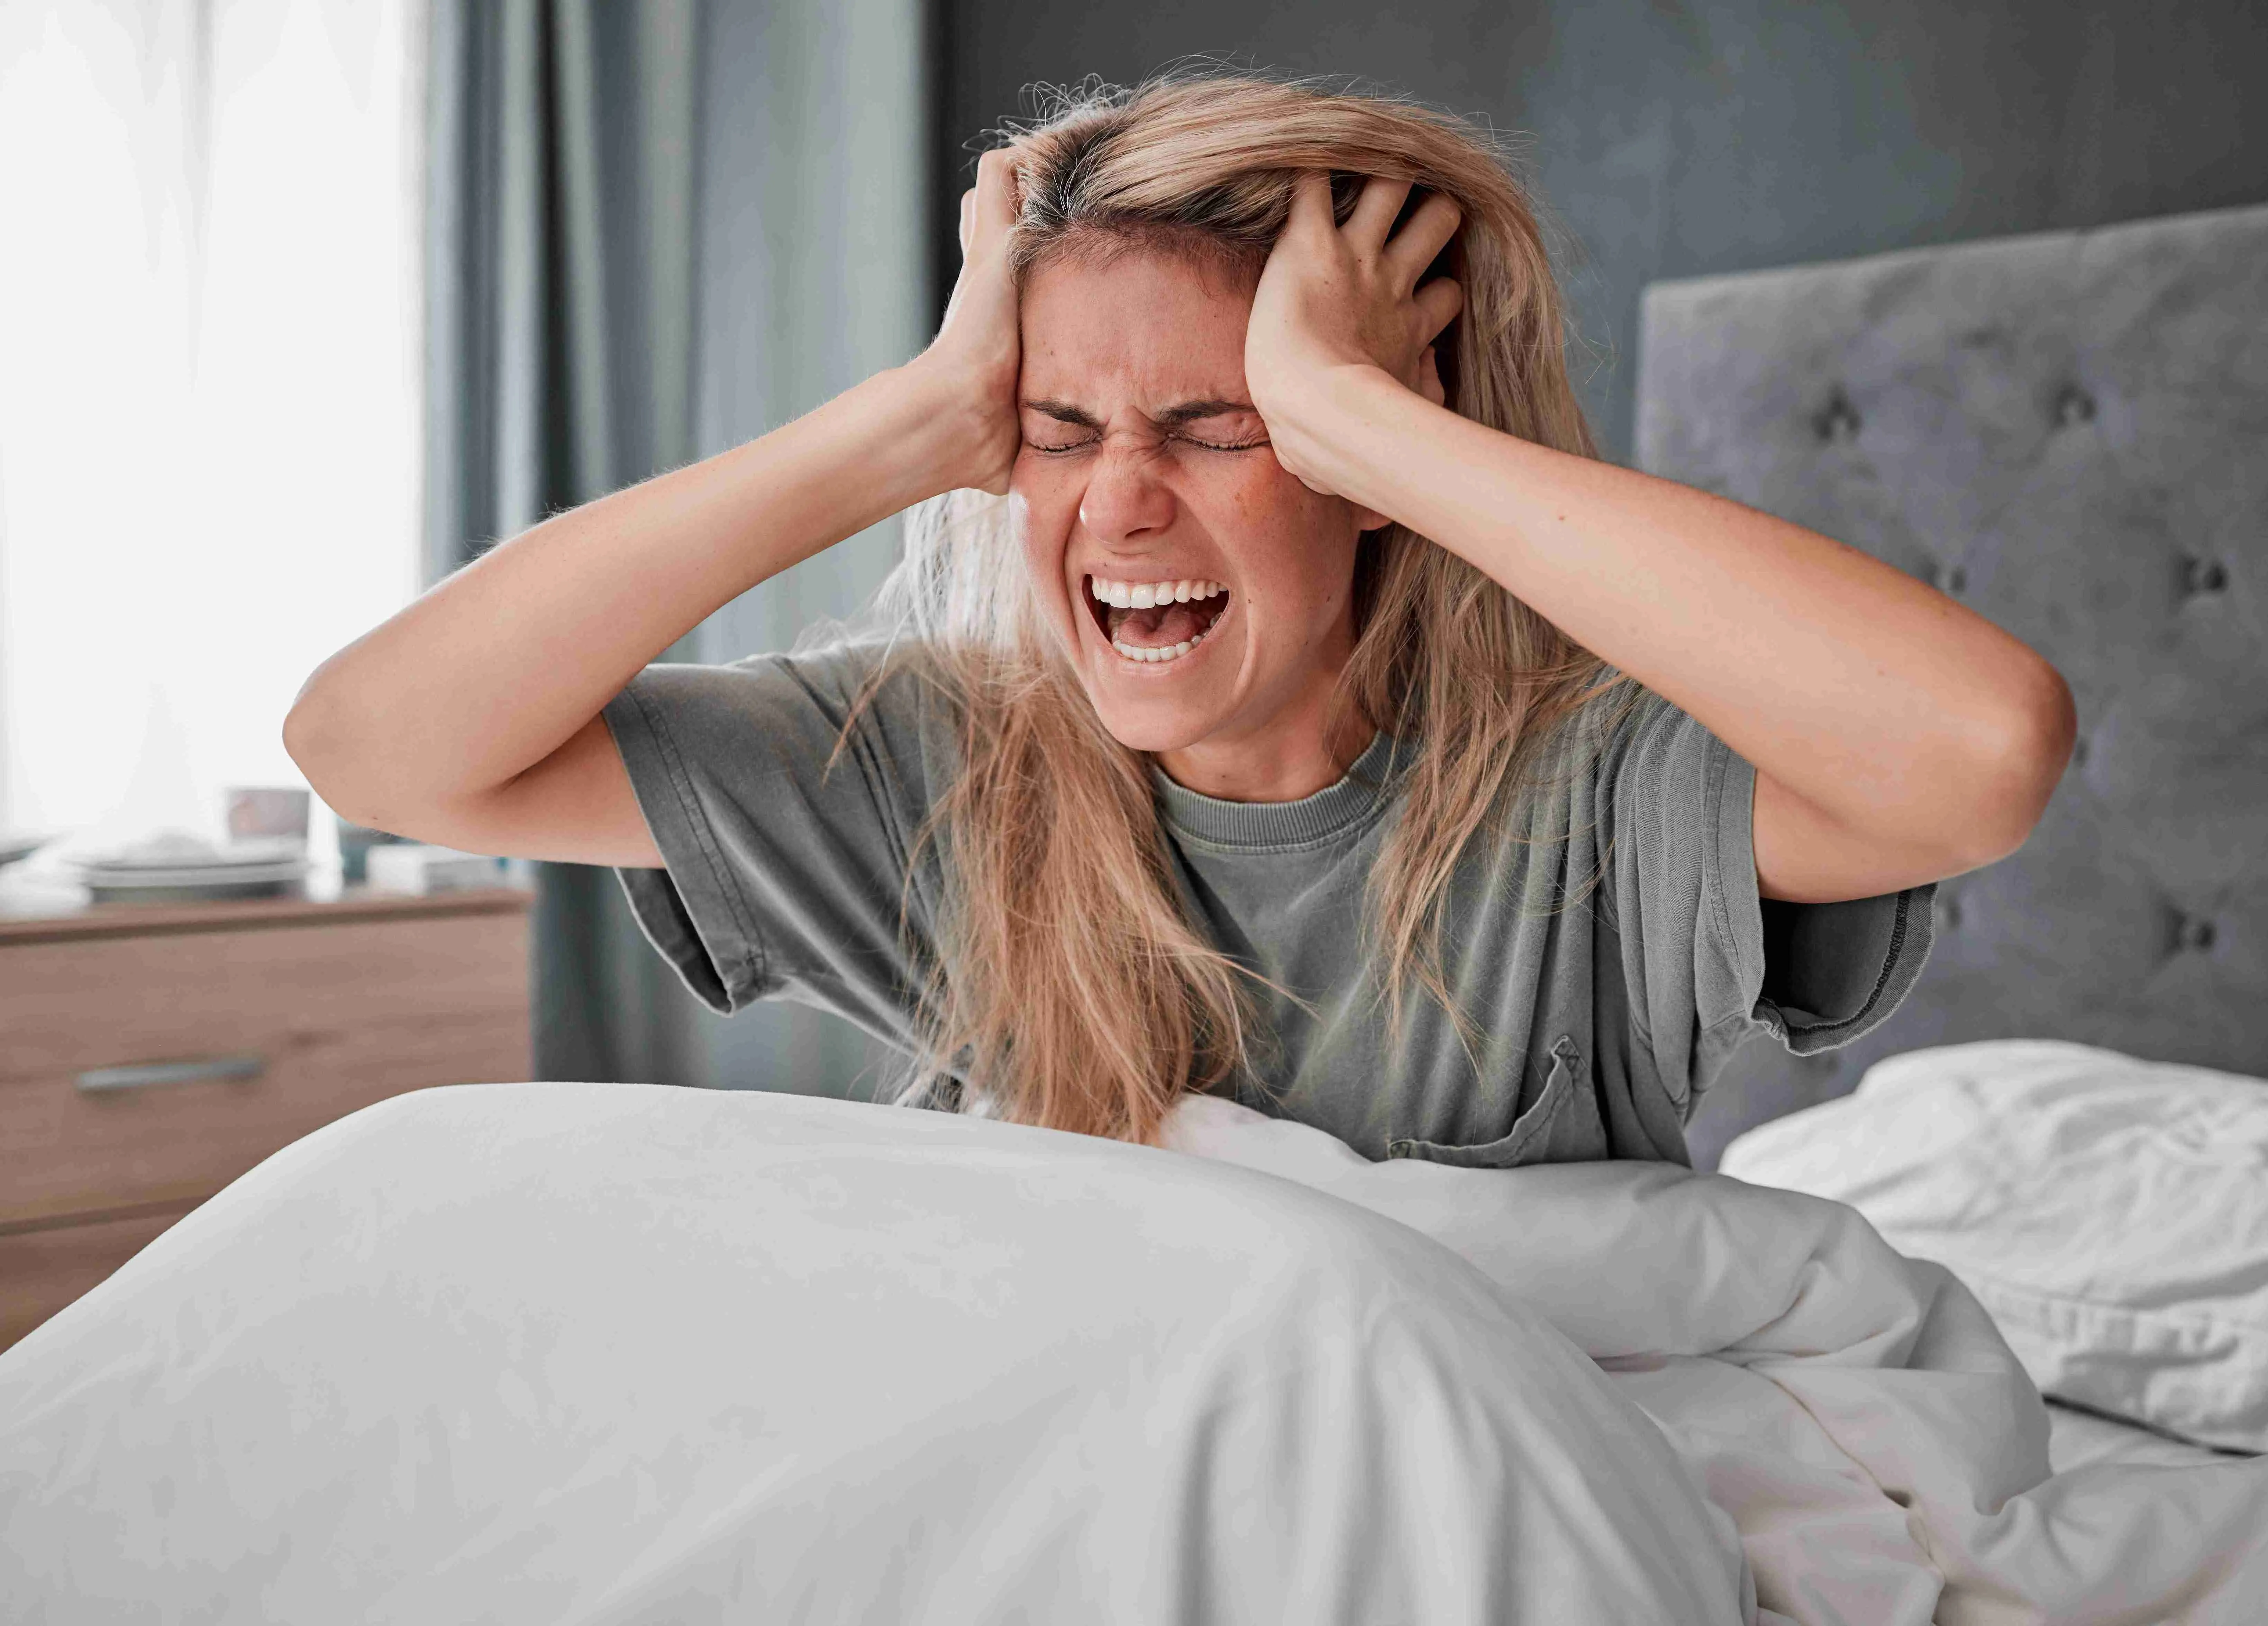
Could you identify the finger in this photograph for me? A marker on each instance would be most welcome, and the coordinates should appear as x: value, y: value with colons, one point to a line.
x: 1311, y: 204
x: 1375, y: 211
x: 1423, y: 237
x: 1438, y: 302
x: 994, y: 210
x: 1429, y: 377
x: 967, y: 216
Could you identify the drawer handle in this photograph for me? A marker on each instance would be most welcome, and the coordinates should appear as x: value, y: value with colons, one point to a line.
x: 140, y: 1074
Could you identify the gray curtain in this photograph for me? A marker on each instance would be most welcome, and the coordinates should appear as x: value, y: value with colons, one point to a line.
x: 655, y: 229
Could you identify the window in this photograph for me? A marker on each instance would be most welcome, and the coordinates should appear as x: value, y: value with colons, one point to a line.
x: 208, y: 388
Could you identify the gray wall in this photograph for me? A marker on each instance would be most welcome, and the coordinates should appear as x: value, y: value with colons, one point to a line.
x: 1677, y: 140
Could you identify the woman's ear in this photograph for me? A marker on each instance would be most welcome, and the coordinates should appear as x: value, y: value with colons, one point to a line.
x: 1369, y: 518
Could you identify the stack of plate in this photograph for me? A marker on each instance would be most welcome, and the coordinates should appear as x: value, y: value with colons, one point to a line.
x: 174, y: 867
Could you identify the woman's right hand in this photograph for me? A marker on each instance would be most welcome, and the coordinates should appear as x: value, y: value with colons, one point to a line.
x: 431, y: 725
x: 970, y: 368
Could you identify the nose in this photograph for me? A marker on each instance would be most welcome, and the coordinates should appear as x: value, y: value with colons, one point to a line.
x: 1126, y: 499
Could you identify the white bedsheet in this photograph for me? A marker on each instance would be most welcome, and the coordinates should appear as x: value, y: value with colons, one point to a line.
x: 597, y: 1353
x: 1859, y: 1415
x: 580, y: 1353
x: 2077, y: 1439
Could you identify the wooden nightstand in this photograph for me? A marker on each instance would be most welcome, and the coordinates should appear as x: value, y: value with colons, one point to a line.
x: 151, y: 1055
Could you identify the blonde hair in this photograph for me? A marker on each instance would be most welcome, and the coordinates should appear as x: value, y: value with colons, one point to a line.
x: 1069, y: 987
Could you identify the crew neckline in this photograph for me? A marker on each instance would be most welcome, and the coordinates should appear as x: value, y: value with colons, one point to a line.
x: 1330, y: 810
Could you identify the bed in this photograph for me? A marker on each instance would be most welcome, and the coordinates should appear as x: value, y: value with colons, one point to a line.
x: 2063, y: 432
x: 607, y: 1353
x: 2100, y: 399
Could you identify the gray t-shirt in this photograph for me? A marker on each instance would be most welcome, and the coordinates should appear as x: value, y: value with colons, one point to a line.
x: 1609, y: 961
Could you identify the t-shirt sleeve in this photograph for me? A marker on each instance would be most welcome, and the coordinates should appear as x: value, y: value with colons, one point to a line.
x: 1710, y: 961
x: 786, y: 858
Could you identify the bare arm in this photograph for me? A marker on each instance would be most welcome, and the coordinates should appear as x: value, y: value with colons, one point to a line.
x: 1897, y: 737
x: 472, y: 718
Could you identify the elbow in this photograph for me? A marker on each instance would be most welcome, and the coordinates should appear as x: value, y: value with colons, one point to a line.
x: 322, y: 743
x: 2018, y: 757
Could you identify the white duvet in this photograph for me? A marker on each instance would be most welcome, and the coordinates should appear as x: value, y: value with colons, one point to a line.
x: 588, y: 1353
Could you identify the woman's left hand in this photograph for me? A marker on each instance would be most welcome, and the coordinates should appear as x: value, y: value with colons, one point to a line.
x: 1334, y: 296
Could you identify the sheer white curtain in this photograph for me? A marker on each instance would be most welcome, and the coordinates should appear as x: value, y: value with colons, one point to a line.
x: 209, y: 386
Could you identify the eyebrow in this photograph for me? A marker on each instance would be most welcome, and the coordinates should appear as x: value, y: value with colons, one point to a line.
x: 1172, y: 417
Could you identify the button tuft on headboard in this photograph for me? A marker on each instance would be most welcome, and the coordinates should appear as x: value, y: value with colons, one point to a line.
x: 1837, y: 420
x: 2203, y: 576
x: 2195, y: 934
x: 2075, y: 407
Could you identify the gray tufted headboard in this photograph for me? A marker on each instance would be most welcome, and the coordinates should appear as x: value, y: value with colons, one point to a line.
x: 2070, y: 433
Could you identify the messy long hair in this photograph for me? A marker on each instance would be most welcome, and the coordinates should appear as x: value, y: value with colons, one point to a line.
x: 1069, y: 986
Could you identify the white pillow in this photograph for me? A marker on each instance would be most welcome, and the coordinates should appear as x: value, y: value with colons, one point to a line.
x: 2111, y: 1213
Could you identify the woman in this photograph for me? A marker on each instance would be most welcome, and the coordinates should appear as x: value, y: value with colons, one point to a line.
x: 1316, y: 717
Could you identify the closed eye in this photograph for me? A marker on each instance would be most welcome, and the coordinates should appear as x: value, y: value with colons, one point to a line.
x: 1209, y: 425
x: 1060, y: 449
x: 1218, y: 426
x: 1216, y: 446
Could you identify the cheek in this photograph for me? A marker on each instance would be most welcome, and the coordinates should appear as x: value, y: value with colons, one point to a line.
x: 1042, y: 534
x: 1251, y: 507
x: 1048, y: 490
x: 1297, y: 554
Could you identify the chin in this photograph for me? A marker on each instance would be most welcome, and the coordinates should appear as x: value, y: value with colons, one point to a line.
x: 1149, y: 726
x: 1160, y: 705
x: 1159, y: 708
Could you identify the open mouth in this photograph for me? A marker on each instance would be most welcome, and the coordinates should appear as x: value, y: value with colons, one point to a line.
x: 1155, y: 621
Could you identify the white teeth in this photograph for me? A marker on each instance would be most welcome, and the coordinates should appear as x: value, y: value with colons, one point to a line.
x: 1148, y: 595
x: 1173, y: 651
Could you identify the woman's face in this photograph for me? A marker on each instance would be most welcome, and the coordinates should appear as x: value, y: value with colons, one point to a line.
x: 1205, y: 594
